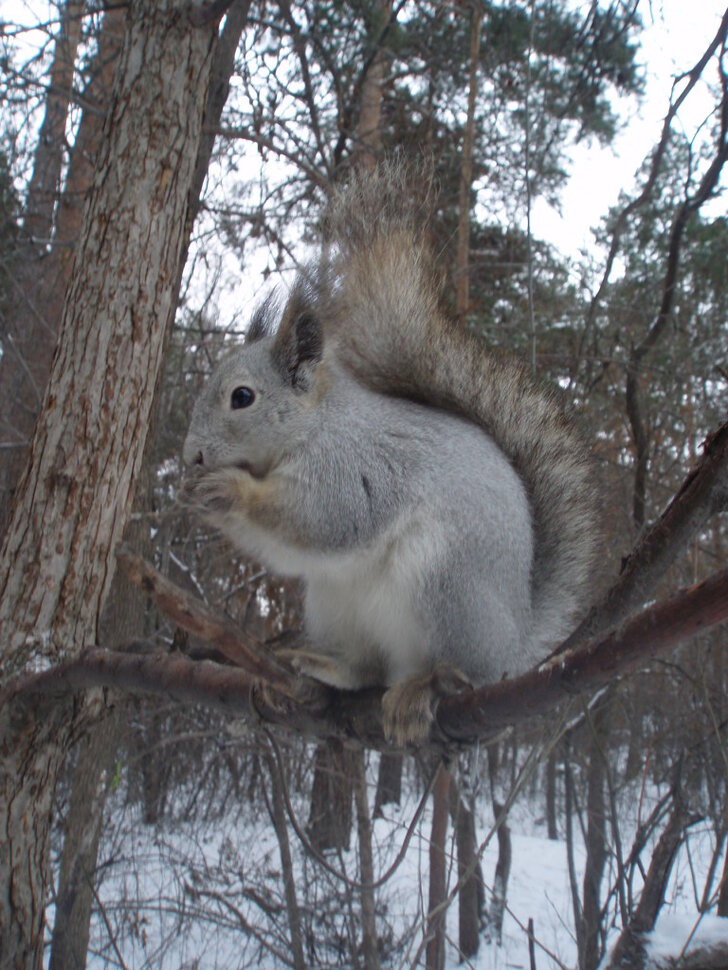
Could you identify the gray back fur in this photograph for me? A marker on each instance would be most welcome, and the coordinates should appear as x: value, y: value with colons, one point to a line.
x: 378, y: 295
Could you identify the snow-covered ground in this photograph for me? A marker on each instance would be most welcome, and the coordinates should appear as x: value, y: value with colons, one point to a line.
x: 197, y: 894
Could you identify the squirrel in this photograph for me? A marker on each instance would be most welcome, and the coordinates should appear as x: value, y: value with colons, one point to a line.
x: 432, y: 495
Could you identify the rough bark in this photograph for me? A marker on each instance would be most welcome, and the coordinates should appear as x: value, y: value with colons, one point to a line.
x: 74, y: 900
x: 44, y: 273
x: 125, y: 617
x: 73, y: 501
x: 89, y: 442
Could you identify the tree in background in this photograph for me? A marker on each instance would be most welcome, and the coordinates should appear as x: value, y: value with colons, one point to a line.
x: 495, y: 95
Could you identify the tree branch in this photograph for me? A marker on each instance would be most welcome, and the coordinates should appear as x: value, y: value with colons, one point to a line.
x: 323, y: 712
x: 590, y: 665
x: 622, y: 220
x: 242, y: 650
x: 690, y: 205
x: 703, y: 493
x: 587, y: 661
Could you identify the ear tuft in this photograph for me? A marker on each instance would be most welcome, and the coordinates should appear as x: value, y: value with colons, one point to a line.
x: 309, y: 338
x: 262, y: 323
x: 298, y: 347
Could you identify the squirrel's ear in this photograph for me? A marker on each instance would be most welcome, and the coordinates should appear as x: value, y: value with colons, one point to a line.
x: 298, y: 348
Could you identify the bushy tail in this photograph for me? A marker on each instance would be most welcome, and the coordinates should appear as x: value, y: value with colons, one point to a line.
x: 382, y: 308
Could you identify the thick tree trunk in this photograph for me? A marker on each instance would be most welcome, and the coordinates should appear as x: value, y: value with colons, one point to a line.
x: 77, y: 879
x: 72, y: 504
x: 43, y: 275
x: 126, y: 611
x: 126, y: 617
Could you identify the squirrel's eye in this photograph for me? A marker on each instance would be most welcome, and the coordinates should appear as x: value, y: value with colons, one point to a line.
x: 242, y: 397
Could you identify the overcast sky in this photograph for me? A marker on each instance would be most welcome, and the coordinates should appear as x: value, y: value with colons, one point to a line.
x: 675, y: 37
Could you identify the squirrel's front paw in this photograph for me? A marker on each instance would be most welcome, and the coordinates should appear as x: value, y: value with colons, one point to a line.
x: 212, y: 493
x: 408, y: 708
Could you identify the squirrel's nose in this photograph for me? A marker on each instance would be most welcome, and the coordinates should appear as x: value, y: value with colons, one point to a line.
x: 191, y: 455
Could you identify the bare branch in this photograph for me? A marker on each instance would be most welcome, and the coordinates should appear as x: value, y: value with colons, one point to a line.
x: 692, y: 76
x: 690, y: 205
x: 591, y: 665
x: 587, y: 661
x: 324, y: 712
x: 299, y: 45
x: 193, y: 616
x: 703, y: 493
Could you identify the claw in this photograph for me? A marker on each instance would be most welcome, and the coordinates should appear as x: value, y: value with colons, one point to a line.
x: 322, y: 667
x: 408, y: 708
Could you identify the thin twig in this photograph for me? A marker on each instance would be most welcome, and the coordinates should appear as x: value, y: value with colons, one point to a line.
x: 321, y: 859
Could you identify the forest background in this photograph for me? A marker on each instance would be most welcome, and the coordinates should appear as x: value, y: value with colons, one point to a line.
x: 152, y: 153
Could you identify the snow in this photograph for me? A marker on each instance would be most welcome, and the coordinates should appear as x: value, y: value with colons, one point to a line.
x: 674, y: 931
x: 198, y: 892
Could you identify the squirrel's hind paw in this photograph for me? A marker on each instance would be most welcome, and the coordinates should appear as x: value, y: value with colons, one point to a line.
x: 408, y: 708
x: 321, y: 667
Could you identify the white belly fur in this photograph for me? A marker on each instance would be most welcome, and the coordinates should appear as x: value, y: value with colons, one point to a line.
x: 365, y: 602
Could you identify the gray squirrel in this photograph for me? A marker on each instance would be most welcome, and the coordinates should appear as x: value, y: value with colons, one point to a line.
x: 434, y: 499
